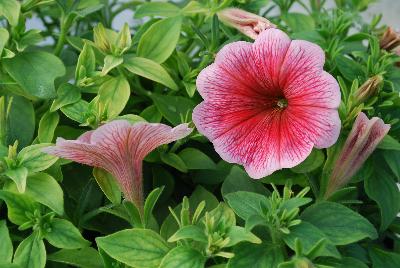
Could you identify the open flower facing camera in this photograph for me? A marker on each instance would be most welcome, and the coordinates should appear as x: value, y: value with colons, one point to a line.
x: 199, y: 134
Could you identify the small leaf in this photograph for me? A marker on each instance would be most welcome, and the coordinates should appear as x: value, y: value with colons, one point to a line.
x: 156, y: 9
x: 31, y: 71
x: 47, y: 126
x: 299, y: 22
x: 110, y: 62
x: 4, y: 35
x: 76, y: 111
x: 349, y: 68
x: 239, y: 234
x: 183, y: 257
x: 108, y: 185
x: 160, y: 40
x: 18, y: 175
x: 238, y: 180
x: 149, y: 204
x: 384, y: 259
x: 66, y: 94
x: 34, y: 159
x: 192, y: 232
x: 245, y: 204
x: 312, y: 162
x: 63, y: 234
x: 135, y: 247
x: 174, y: 161
x: 175, y: 109
x: 85, y: 257
x: 87, y: 61
x: 150, y: 70
x: 114, y: 95
x: 31, y: 252
x: 6, y: 246
x: 389, y: 143
x: 196, y: 159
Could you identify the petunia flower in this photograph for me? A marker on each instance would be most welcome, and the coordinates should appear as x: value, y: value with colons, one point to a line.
x: 268, y: 103
x: 247, y: 23
x: 365, y: 135
x: 119, y: 148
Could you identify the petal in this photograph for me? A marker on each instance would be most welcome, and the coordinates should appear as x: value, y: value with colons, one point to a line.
x: 77, y: 151
x: 301, y: 59
x: 321, y: 126
x: 318, y: 89
x: 269, y: 50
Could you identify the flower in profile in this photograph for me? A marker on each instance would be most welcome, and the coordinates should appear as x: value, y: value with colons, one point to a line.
x: 247, y: 23
x: 267, y: 104
x: 390, y: 39
x: 365, y: 135
x: 119, y: 148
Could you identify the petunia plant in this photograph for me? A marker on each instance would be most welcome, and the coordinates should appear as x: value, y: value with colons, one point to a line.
x: 198, y: 134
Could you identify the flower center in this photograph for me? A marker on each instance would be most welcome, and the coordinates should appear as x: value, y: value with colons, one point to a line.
x: 282, y: 103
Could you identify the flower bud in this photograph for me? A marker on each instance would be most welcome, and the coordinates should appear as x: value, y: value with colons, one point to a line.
x: 390, y: 39
x: 365, y: 135
x: 368, y: 89
x: 247, y: 23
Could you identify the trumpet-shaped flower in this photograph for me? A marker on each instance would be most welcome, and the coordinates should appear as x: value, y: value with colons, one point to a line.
x: 119, y: 148
x: 267, y: 104
x: 365, y: 135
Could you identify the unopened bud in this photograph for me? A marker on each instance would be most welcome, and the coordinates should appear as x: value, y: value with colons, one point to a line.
x: 248, y: 23
x: 390, y: 39
x: 368, y: 89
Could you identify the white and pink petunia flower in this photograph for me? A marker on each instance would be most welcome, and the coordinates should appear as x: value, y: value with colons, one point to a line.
x: 365, y: 135
x: 119, y: 148
x: 268, y: 103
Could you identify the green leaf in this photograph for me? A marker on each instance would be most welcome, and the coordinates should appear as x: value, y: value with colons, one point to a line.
x: 381, y: 188
x: 135, y: 247
x: 349, y: 68
x: 10, y: 9
x: 245, y: 204
x: 86, y: 64
x: 110, y: 62
x: 20, y: 208
x: 108, y: 185
x: 18, y: 175
x: 389, y: 143
x: 239, y: 234
x: 174, y: 161
x: 86, y: 257
x: 183, y: 257
x: 31, y: 252
x: 351, y: 227
x: 31, y: 71
x: 47, y: 126
x: 312, y: 162
x: 6, y: 246
x: 238, y: 180
x: 309, y: 236
x: 160, y: 40
x: 4, y: 35
x: 256, y: 256
x: 114, y: 94
x: 76, y: 111
x: 21, y: 111
x: 44, y: 189
x: 133, y: 213
x: 150, y: 70
x: 299, y: 22
x: 34, y: 159
x: 175, y: 109
x: 392, y: 158
x: 193, y: 232
x: 196, y: 159
x: 150, y: 203
x: 157, y: 9
x: 151, y: 114
x: 384, y: 259
x: 66, y: 94
x: 63, y: 234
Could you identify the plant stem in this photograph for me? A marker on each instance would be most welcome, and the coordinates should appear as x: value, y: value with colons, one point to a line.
x: 66, y: 23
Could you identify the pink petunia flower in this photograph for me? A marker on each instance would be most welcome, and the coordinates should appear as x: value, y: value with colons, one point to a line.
x: 267, y: 104
x: 119, y: 148
x: 247, y: 23
x: 365, y: 135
